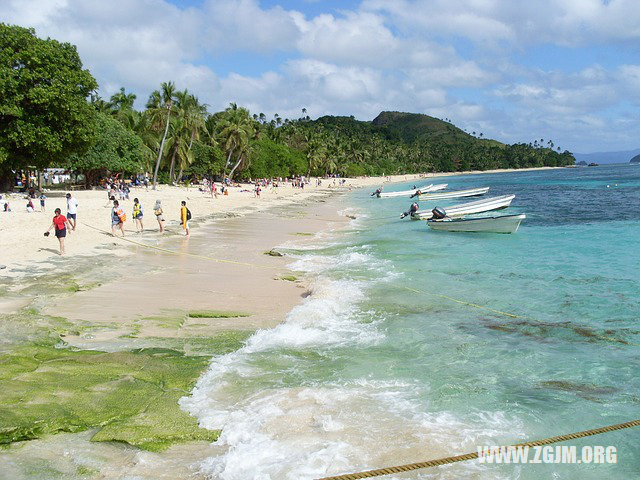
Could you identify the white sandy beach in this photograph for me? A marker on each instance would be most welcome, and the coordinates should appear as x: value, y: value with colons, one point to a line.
x: 22, y: 241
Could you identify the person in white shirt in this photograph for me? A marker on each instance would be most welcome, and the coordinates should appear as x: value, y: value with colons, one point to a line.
x: 72, y: 210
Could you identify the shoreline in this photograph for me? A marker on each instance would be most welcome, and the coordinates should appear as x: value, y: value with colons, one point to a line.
x: 153, y: 313
x: 155, y: 298
x: 22, y: 244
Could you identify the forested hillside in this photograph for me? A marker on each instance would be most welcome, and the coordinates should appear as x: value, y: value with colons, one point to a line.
x: 46, y: 121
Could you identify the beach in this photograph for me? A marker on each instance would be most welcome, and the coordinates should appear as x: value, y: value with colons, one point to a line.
x: 22, y: 242
x: 197, y: 297
x: 169, y: 306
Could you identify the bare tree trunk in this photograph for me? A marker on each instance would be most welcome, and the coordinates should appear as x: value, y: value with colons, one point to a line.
x: 164, y: 137
x: 173, y: 164
x: 240, y: 157
x: 229, y: 158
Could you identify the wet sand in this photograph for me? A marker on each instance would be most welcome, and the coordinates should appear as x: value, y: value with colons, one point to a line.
x: 246, y: 280
x: 152, y: 289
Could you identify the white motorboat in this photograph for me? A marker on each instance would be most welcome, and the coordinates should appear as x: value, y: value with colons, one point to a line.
x: 408, y: 193
x: 471, y: 192
x: 404, y: 193
x: 478, y: 206
x: 500, y: 224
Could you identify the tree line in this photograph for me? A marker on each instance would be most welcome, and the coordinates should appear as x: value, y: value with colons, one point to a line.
x: 50, y: 115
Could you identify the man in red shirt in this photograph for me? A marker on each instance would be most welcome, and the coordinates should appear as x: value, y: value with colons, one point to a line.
x: 60, y: 223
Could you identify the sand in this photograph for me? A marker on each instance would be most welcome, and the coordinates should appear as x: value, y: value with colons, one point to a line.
x: 139, y: 295
x: 22, y: 242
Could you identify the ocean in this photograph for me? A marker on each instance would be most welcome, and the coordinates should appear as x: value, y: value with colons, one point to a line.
x: 416, y: 344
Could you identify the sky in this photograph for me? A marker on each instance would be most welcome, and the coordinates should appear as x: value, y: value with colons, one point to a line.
x: 560, y: 70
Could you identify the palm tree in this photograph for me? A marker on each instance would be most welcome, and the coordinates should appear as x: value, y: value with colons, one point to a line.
x: 122, y: 100
x: 99, y: 103
x: 157, y: 104
x: 191, y: 115
x: 236, y: 129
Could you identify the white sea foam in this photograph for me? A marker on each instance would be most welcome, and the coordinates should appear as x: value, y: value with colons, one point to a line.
x: 277, y: 428
x: 356, y: 257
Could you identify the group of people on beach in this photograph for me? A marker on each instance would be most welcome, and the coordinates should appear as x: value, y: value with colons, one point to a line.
x: 62, y: 224
x: 118, y: 217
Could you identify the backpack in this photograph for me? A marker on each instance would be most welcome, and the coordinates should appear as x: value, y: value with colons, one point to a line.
x: 188, y: 214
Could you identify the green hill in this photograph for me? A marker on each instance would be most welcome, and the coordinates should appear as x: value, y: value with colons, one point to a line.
x: 398, y: 142
x: 411, y: 127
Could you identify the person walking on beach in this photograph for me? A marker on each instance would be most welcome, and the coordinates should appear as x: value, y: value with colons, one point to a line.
x: 118, y: 218
x: 43, y: 199
x: 72, y: 210
x: 157, y: 209
x: 185, y: 216
x: 137, y: 215
x: 60, y: 223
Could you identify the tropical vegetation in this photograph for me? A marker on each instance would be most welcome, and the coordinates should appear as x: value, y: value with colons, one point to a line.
x: 50, y: 115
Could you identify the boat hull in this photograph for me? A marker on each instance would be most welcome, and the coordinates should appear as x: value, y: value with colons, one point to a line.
x: 408, y: 193
x: 472, y: 192
x: 478, y: 206
x: 500, y: 224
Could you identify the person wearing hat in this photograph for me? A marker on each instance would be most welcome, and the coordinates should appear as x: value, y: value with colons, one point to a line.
x: 157, y: 209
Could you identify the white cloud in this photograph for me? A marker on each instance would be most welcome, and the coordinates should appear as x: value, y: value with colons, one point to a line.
x: 358, y: 38
x: 242, y: 25
x: 517, y: 24
x: 459, y: 59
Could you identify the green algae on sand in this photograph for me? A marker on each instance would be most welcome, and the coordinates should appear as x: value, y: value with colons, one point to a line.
x: 132, y: 396
x: 216, y: 314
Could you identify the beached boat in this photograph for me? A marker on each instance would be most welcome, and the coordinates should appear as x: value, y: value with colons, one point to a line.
x: 478, y: 206
x: 500, y: 224
x: 471, y: 192
x: 408, y: 193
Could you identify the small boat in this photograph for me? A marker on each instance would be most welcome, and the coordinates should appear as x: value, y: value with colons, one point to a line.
x: 471, y: 192
x: 408, y: 193
x: 478, y: 206
x: 500, y: 224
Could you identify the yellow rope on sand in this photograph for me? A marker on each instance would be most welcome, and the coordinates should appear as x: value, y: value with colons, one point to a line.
x: 173, y: 252
x: 470, y: 456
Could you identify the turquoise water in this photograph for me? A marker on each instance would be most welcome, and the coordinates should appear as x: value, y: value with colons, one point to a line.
x: 367, y: 373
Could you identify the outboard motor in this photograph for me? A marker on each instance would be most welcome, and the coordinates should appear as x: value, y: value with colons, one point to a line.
x: 412, y: 209
x: 439, y: 213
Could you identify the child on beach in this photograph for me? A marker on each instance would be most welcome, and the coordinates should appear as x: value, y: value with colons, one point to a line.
x: 60, y: 223
x: 118, y: 218
x: 43, y: 199
x: 137, y: 215
x: 185, y: 216
x: 30, y: 208
x: 157, y: 209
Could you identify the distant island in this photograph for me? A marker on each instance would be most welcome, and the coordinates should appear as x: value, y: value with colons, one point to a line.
x: 621, y: 156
